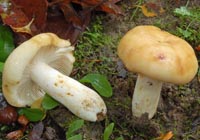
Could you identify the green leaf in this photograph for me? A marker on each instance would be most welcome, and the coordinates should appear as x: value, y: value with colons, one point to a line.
x: 182, y: 11
x: 184, y: 33
x: 74, y: 126
x: 1, y: 66
x: 76, y: 137
x: 100, y: 83
x: 6, y: 42
x: 49, y: 103
x: 108, y: 131
x: 32, y: 114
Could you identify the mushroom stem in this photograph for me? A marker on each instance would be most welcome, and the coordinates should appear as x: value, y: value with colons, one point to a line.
x: 79, y: 99
x: 146, y: 96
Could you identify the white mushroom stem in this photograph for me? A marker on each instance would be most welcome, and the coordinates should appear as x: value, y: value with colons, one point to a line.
x: 146, y: 96
x: 79, y: 99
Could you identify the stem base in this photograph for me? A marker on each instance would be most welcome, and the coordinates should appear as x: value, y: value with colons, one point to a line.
x: 146, y: 96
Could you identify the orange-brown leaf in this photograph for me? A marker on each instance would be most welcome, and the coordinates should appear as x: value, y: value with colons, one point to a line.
x: 22, y: 120
x: 151, y: 9
x: 166, y: 136
x: 111, y: 7
x: 146, y: 12
x: 20, y: 13
x: 14, y: 16
x: 36, y: 9
x: 197, y: 48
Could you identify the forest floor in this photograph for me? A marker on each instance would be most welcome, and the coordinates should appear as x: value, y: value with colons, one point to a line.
x: 96, y: 52
x: 179, y: 106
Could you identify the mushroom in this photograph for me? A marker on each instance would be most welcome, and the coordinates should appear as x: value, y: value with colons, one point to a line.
x: 40, y: 65
x: 157, y: 56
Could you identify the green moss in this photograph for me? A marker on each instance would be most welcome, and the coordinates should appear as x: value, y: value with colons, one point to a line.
x: 93, y: 51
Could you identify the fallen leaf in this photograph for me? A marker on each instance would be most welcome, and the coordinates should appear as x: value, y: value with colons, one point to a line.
x: 23, y: 120
x: 14, y: 135
x: 14, y: 16
x: 86, y: 3
x: 18, y: 14
x: 146, y: 12
x: 197, y: 48
x: 108, y: 6
x: 66, y: 30
x: 166, y: 136
x: 70, y: 14
x: 36, y: 132
x: 49, y: 133
x: 36, y: 10
x: 151, y: 9
x: 24, y: 29
x: 66, y: 18
x: 57, y: 25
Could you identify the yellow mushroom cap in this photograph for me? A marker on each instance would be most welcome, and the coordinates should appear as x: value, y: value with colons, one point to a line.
x: 157, y: 54
x: 18, y: 88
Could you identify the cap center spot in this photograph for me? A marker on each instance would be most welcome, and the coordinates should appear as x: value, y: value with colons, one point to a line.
x: 161, y: 56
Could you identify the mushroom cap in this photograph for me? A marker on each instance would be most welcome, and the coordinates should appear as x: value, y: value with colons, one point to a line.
x: 158, y: 54
x: 18, y: 88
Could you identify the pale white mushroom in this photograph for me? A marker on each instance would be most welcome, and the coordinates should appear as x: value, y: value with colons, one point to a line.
x: 41, y: 65
x: 157, y: 56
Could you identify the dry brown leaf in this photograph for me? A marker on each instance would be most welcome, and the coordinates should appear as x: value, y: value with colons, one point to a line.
x: 36, y: 9
x: 166, y: 136
x: 108, y: 6
x: 14, y: 135
x: 66, y: 18
x: 36, y: 132
x: 19, y: 13
x: 70, y: 14
x: 14, y: 16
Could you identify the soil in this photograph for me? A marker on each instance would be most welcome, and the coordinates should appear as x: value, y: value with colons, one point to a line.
x: 179, y: 106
